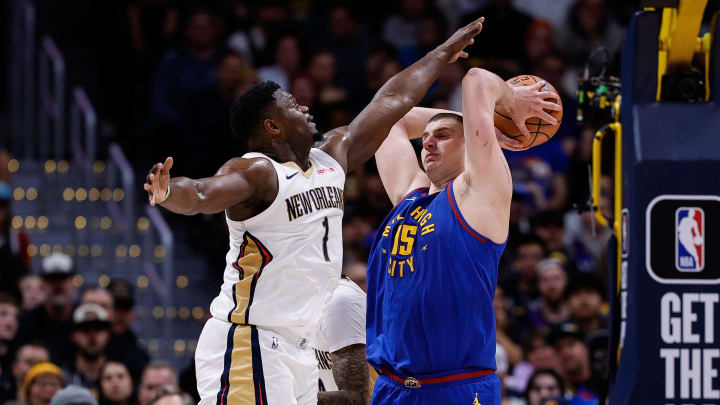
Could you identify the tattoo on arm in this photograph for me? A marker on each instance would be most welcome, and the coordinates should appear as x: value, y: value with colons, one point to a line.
x: 350, y: 372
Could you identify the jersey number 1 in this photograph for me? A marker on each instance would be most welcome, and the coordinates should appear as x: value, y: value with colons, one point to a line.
x: 325, y: 239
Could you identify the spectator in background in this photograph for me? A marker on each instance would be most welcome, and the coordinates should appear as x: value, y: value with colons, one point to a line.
x: 156, y: 374
x: 544, y: 384
x: 549, y: 310
x: 41, y: 383
x: 322, y: 71
x: 123, y: 343
x: 584, y: 297
x: 286, y: 62
x: 25, y: 357
x: 303, y: 88
x: 553, y: 11
x: 539, y: 41
x: 51, y: 323
x: 349, y: 45
x: 170, y: 395
x: 116, y: 384
x: 431, y: 34
x: 587, y: 241
x: 401, y: 29
x: 9, y: 313
x: 32, y: 292
x: 74, y: 395
x: 357, y: 272
x: 520, y: 283
x: 14, y: 260
x: 501, y: 48
x: 101, y: 297
x: 235, y: 75
x: 504, y: 328
x: 549, y: 225
x: 184, y: 100
x: 575, y: 360
x: 588, y: 26
x: 91, y: 334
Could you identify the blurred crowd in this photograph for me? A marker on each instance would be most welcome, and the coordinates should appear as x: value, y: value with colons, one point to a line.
x: 163, y: 74
x: 54, y: 336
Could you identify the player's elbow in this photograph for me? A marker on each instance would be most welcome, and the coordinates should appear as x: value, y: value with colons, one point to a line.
x: 473, y: 77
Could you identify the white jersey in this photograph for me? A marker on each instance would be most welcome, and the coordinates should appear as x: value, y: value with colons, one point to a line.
x: 342, y: 325
x: 284, y: 263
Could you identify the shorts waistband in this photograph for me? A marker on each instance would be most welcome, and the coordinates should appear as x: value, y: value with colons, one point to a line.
x: 288, y: 334
x: 412, y: 382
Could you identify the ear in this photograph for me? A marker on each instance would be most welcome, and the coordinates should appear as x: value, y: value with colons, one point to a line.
x: 271, y: 127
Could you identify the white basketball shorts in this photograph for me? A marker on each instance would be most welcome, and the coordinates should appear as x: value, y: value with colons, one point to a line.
x: 247, y: 365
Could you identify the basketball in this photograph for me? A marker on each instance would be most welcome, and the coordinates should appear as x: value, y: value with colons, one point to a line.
x: 540, y: 130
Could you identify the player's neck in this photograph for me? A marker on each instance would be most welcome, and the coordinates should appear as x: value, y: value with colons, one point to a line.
x: 283, y: 154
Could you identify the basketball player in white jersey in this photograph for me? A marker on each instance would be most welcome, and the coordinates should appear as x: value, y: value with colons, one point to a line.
x: 340, y: 347
x: 283, y: 203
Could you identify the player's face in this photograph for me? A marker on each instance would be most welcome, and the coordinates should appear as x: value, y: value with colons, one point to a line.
x: 294, y: 120
x: 443, y: 150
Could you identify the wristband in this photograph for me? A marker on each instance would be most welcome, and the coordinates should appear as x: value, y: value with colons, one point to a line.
x: 167, y: 195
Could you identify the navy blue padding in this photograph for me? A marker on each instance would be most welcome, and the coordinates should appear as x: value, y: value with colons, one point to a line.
x: 715, y: 61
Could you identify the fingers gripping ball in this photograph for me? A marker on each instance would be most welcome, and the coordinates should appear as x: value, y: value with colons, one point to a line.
x: 540, y: 130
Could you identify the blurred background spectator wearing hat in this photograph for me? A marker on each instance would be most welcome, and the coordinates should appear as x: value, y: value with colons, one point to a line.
x: 51, y: 323
x: 90, y: 336
x: 73, y: 395
x: 41, y: 383
x: 123, y: 341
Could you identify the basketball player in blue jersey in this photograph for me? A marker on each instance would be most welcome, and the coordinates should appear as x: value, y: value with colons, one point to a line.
x: 283, y: 207
x: 433, y: 265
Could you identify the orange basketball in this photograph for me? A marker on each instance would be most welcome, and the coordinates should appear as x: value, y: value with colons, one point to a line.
x: 540, y: 130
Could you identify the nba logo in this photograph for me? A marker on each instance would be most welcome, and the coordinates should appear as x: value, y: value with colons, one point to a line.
x: 689, y: 239
x: 274, y: 342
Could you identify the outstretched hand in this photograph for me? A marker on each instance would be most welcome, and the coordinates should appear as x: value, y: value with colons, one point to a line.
x: 158, y: 181
x: 530, y: 101
x: 462, y: 38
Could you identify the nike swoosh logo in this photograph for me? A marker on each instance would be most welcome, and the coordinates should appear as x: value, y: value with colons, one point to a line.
x: 291, y: 176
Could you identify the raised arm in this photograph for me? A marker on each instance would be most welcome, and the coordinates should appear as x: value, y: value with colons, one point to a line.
x: 484, y: 189
x: 396, y: 97
x: 396, y: 160
x: 238, y: 181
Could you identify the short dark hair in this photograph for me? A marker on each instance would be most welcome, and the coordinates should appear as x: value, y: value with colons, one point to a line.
x: 251, y: 108
x: 443, y: 115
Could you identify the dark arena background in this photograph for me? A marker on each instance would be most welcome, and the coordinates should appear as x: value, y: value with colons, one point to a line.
x: 611, y: 277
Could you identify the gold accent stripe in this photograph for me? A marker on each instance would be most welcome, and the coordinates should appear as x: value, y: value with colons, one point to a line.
x: 254, y: 258
x: 241, y: 389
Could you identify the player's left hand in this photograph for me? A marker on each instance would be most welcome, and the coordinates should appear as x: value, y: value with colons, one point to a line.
x: 506, y: 142
x: 530, y: 101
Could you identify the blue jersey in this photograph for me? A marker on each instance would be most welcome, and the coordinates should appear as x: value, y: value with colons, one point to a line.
x: 431, y: 282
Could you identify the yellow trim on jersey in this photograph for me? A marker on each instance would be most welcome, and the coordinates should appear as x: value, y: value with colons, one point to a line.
x: 252, y: 258
x: 307, y: 173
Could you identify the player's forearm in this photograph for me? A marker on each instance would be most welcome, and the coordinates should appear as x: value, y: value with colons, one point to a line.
x: 343, y: 397
x: 397, y: 96
x: 416, y: 119
x: 184, y: 196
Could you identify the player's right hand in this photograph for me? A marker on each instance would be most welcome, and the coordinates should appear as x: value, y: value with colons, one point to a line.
x: 463, y: 37
x: 157, y: 181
